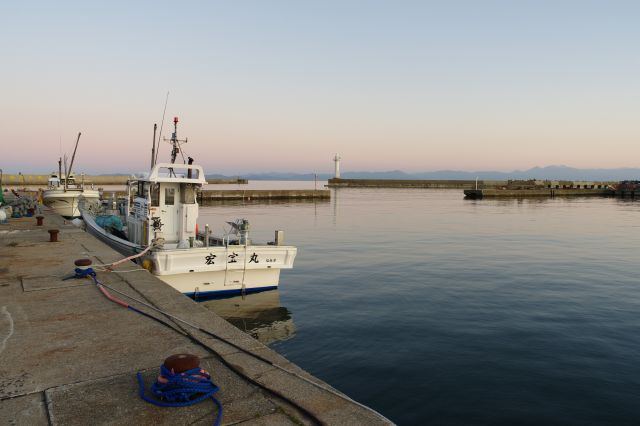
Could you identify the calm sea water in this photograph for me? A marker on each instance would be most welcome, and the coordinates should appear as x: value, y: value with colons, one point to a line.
x: 437, y: 310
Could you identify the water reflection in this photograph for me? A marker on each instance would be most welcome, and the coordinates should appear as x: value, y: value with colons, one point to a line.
x: 259, y: 315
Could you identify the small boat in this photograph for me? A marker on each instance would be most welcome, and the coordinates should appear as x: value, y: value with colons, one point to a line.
x: 159, y: 217
x: 63, y: 193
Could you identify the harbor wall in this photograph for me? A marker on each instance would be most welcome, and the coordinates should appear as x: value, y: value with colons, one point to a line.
x: 409, y: 183
x: 264, y: 194
x: 532, y: 184
x: 546, y: 192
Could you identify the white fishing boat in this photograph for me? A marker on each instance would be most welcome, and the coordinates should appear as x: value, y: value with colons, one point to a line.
x: 159, y: 219
x: 63, y: 193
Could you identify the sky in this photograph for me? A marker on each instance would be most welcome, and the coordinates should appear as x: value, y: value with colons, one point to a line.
x: 283, y: 85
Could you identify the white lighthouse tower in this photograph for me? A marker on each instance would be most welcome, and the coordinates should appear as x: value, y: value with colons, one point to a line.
x: 336, y: 159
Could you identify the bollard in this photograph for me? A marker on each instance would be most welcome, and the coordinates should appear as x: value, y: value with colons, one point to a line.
x: 39, y: 220
x: 83, y: 263
x: 182, y: 362
x: 53, y: 235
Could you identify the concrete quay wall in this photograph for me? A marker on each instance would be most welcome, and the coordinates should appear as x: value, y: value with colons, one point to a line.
x: 70, y: 356
x: 546, y: 192
x: 264, y: 194
x: 408, y: 183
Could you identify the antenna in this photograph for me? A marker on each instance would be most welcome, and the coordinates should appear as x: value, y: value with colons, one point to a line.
x: 166, y: 101
x: 175, y: 142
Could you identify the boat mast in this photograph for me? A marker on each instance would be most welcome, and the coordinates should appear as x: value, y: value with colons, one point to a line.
x: 153, y: 150
x: 73, y: 157
x: 175, y: 142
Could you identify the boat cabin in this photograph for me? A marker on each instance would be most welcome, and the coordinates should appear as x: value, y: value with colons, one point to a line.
x: 58, y: 181
x: 164, y: 207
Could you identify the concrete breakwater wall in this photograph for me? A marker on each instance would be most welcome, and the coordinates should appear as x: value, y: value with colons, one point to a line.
x: 541, y: 192
x: 249, y: 194
x: 20, y: 180
x: 264, y: 194
x: 409, y: 183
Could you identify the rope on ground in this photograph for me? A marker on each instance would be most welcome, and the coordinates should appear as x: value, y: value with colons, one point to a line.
x: 181, y: 389
x: 102, y: 288
x: 172, y: 389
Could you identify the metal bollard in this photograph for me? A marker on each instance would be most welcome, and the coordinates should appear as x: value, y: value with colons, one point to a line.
x: 53, y: 235
x: 39, y: 220
x: 182, y: 362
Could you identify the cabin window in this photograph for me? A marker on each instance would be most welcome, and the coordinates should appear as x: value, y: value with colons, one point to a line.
x: 155, y: 194
x: 169, y: 195
x: 188, y: 195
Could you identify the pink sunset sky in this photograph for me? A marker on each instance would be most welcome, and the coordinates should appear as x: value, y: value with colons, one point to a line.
x: 283, y: 85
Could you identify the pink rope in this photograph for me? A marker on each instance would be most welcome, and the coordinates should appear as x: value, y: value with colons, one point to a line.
x: 111, y: 265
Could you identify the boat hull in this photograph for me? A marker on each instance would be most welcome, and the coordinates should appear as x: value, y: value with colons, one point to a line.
x: 208, y: 272
x: 66, y: 203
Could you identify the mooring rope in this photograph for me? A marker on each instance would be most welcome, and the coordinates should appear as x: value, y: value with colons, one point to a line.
x: 181, y: 389
x: 89, y: 272
x: 172, y: 389
x: 109, y: 266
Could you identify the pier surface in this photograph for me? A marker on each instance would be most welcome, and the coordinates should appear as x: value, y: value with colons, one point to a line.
x: 70, y: 356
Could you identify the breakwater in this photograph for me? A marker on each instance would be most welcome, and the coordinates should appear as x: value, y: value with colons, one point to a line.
x: 542, y: 192
x: 263, y: 194
x: 408, y: 183
x: 468, y: 184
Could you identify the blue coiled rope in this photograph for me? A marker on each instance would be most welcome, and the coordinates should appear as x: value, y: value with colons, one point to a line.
x: 181, y: 389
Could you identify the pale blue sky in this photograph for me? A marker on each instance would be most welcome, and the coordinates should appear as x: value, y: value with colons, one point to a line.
x: 282, y: 85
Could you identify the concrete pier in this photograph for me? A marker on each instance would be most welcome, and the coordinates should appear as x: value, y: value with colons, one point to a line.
x: 542, y: 192
x: 70, y: 356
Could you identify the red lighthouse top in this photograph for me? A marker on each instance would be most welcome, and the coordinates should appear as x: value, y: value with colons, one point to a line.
x: 175, y: 119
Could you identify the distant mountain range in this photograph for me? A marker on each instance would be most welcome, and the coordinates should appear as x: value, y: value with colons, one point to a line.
x: 550, y: 172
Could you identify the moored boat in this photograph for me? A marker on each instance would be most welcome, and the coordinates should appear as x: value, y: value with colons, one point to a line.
x: 159, y: 220
x: 63, y: 193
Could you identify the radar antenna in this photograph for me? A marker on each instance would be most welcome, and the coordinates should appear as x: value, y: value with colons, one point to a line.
x: 175, y: 142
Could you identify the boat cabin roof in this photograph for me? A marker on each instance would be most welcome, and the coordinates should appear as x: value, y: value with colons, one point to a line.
x: 176, y: 173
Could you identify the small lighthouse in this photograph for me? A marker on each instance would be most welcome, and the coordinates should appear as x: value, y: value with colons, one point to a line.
x: 336, y: 159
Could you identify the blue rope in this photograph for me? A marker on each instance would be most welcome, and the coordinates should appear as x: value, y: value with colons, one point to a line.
x: 82, y: 273
x: 182, y: 389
